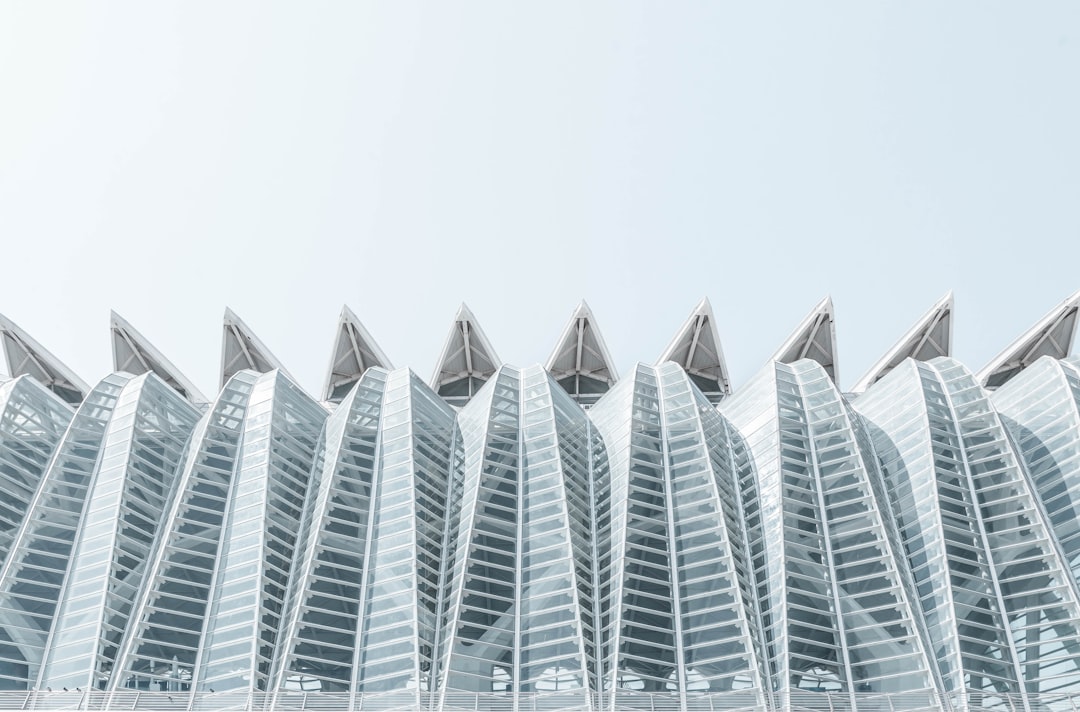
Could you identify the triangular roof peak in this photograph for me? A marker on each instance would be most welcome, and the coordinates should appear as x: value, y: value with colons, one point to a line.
x: 241, y: 349
x: 467, y: 360
x: 355, y: 351
x: 1050, y: 336
x: 581, y: 362
x: 25, y: 356
x: 134, y: 354
x: 814, y: 338
x: 696, y: 347
x: 929, y: 337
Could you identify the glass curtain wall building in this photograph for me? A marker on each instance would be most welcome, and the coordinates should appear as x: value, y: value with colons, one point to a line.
x: 553, y: 537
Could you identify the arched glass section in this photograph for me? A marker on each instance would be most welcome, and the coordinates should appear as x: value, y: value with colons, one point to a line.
x: 520, y: 617
x: 160, y: 649
x: 1041, y: 408
x: 836, y: 601
x: 363, y: 612
x: 32, y: 421
x: 134, y: 479
x: 1001, y: 607
x: 32, y: 578
x: 280, y: 431
x: 682, y: 615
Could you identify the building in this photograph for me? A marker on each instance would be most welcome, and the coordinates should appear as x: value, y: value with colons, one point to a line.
x: 553, y: 537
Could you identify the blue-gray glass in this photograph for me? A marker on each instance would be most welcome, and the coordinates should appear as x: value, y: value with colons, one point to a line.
x: 1041, y: 409
x: 363, y: 612
x: 837, y: 601
x: 32, y: 578
x: 32, y: 422
x: 161, y: 647
x: 681, y: 605
x: 1001, y: 606
x: 520, y: 616
x: 135, y: 477
x: 266, y: 500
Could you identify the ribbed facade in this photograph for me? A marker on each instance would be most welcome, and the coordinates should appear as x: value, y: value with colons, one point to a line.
x: 545, y: 538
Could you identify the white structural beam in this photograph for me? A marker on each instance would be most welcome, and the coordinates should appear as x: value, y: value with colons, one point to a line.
x: 696, y: 347
x: 814, y: 338
x: 25, y: 356
x: 134, y: 354
x: 355, y: 351
x: 241, y: 349
x: 467, y: 360
x: 1052, y: 336
x: 581, y: 362
x: 929, y: 337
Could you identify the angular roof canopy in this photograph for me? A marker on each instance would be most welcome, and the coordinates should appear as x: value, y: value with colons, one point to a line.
x: 467, y: 360
x: 1050, y: 336
x: 814, y: 338
x: 241, y: 349
x: 355, y: 351
x: 581, y: 362
x: 26, y: 356
x: 133, y: 354
x: 930, y: 337
x: 696, y: 347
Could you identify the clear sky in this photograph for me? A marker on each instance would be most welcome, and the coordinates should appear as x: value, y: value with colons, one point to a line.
x: 170, y: 159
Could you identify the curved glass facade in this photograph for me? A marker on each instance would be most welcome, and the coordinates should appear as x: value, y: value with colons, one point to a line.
x: 667, y: 542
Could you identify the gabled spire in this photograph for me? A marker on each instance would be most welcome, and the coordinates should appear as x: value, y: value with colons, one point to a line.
x: 26, y: 356
x: 1050, y: 336
x: 814, y: 338
x: 696, y: 347
x: 133, y: 354
x: 354, y: 352
x: 581, y: 362
x: 930, y: 337
x: 467, y: 360
x: 241, y: 349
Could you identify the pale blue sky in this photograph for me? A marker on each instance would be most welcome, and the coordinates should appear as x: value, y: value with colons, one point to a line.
x: 169, y: 159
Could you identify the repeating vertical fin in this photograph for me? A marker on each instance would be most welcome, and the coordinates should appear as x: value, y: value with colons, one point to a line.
x: 161, y: 644
x: 376, y: 524
x: 680, y: 560
x: 1041, y: 408
x: 1002, y: 608
x: 838, y: 604
x: 281, y: 429
x: 520, y: 617
x: 133, y: 482
x: 32, y: 422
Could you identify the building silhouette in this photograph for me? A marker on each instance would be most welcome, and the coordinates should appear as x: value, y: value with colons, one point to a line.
x: 549, y: 537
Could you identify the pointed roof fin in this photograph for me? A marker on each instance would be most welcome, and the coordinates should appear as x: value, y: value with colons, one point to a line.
x: 25, y: 356
x: 133, y: 354
x: 1050, y: 336
x: 929, y: 337
x: 354, y: 352
x: 241, y: 349
x: 814, y: 338
x: 467, y: 360
x: 696, y: 347
x: 581, y: 362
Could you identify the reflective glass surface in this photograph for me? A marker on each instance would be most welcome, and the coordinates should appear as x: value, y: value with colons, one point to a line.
x: 836, y: 599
